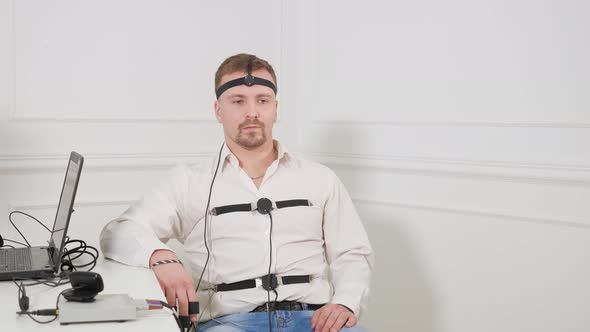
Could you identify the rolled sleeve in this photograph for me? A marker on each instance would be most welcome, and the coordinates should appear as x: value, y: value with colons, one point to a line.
x: 150, y: 223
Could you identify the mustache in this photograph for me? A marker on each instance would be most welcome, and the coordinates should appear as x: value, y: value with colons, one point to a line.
x: 252, y: 123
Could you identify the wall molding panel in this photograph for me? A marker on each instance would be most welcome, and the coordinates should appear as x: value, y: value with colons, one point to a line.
x: 518, y: 145
x: 575, y: 175
x: 474, y: 212
x: 364, y: 122
x: 95, y: 119
x: 45, y: 205
x: 25, y: 163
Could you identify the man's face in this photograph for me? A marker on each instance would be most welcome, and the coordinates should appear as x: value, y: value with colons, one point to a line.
x: 247, y: 113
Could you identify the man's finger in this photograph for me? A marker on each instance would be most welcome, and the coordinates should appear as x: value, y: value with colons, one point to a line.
x: 351, y: 321
x: 340, y: 321
x: 330, y: 321
x: 170, y: 294
x: 182, y: 302
x: 314, y: 318
x: 323, y: 315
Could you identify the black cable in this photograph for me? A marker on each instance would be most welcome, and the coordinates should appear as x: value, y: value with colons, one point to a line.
x: 178, y: 322
x: 41, y: 322
x: 78, y: 251
x: 206, y: 213
x: 82, y: 249
x: 75, y: 250
x: 31, y: 313
x: 18, y: 230
x: 205, y: 227
x: 28, y: 215
x: 268, y: 276
x: 24, y: 301
x: 48, y: 282
x: 173, y: 309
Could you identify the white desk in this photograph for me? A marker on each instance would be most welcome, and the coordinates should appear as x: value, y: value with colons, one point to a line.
x: 138, y: 283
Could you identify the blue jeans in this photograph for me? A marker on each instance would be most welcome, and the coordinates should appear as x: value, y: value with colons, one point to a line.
x: 282, y: 321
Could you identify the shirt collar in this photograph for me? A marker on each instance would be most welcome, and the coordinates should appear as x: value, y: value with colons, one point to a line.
x: 285, y: 157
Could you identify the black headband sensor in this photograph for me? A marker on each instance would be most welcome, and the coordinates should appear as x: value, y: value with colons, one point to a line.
x: 248, y: 80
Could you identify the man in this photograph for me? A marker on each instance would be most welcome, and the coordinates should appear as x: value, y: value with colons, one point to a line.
x: 304, y: 256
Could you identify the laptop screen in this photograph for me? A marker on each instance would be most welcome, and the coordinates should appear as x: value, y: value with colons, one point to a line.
x: 65, y: 207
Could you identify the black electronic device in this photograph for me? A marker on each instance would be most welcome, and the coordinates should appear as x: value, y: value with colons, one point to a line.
x: 85, y: 286
x: 264, y: 205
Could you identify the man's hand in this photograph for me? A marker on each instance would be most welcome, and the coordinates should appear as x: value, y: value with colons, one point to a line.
x: 175, y: 282
x: 331, y: 318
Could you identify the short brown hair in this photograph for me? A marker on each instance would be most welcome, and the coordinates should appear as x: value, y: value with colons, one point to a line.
x: 239, y: 63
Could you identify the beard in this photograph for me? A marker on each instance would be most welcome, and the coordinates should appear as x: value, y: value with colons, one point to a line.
x: 253, y: 138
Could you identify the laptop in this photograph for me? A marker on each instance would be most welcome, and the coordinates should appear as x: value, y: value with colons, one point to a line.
x: 44, y: 261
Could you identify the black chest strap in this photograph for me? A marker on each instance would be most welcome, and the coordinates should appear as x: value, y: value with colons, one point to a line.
x: 263, y: 205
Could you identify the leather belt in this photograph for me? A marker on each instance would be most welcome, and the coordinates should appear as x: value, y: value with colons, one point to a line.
x: 286, y: 306
x: 268, y: 282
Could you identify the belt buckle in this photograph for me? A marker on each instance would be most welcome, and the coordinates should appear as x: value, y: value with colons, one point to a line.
x: 269, y: 282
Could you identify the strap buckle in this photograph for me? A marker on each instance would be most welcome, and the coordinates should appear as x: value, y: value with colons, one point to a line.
x: 269, y: 282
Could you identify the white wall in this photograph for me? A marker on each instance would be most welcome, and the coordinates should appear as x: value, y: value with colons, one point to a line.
x: 129, y: 84
x: 459, y: 128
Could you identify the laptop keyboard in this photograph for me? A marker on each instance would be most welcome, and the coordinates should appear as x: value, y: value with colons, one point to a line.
x: 17, y: 259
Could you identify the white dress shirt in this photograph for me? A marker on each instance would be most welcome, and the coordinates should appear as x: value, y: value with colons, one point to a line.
x: 306, y: 240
